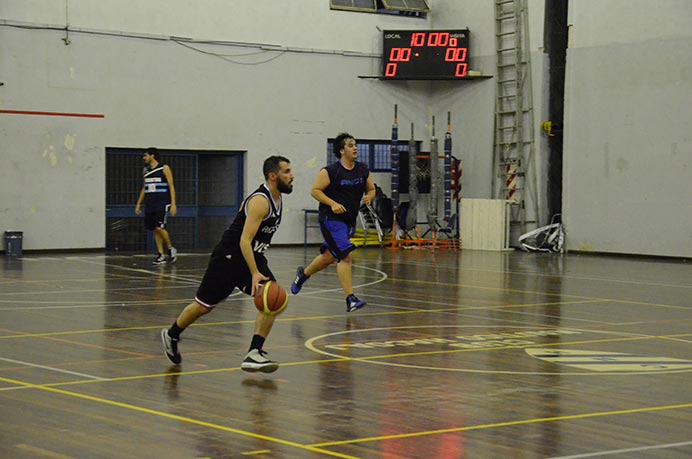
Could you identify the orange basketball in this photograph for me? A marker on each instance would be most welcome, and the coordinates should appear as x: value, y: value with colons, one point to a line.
x: 271, y: 298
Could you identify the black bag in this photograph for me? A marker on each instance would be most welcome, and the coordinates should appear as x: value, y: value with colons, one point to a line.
x: 383, y: 206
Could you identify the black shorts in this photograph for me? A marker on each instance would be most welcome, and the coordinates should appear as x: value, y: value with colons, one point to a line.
x: 155, y: 219
x: 224, y: 274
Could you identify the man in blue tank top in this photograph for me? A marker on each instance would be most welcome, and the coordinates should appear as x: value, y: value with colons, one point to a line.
x: 158, y: 194
x: 238, y: 261
x: 339, y: 188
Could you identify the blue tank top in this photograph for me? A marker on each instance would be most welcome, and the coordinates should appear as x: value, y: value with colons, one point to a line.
x: 345, y: 187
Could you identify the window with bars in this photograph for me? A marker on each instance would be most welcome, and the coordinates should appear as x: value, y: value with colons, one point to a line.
x: 208, y: 185
x: 376, y: 154
x: 415, y: 8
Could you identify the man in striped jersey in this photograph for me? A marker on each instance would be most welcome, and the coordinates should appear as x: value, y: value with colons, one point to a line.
x: 158, y: 194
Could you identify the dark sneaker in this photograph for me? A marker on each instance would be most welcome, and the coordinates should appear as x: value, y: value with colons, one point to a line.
x: 170, y: 347
x: 172, y: 254
x: 299, y: 280
x: 353, y: 303
x: 160, y: 259
x: 255, y: 360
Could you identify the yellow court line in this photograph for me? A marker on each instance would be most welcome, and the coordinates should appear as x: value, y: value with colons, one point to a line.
x: 331, y: 360
x: 295, y: 319
x: 180, y: 373
x: 41, y: 452
x: 513, y: 290
x: 507, y: 424
x: 175, y: 417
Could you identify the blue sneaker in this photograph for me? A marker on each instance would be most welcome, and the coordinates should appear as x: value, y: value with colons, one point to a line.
x: 353, y: 303
x: 299, y: 280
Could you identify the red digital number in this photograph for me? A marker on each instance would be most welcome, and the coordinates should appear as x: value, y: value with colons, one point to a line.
x: 438, y: 39
x: 418, y: 39
x: 453, y: 42
x: 461, y: 70
x: 390, y: 70
x: 455, y: 55
x: 400, y: 54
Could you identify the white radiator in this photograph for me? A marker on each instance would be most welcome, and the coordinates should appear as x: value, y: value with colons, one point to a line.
x: 484, y: 224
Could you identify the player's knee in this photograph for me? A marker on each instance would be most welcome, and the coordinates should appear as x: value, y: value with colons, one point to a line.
x: 327, y: 259
x: 201, y: 310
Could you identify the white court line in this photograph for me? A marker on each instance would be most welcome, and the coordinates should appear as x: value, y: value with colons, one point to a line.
x: 627, y: 450
x: 2, y: 389
x: 141, y: 271
x: 382, y: 279
x: 43, y: 367
x: 558, y: 275
x: 53, y: 292
x: 93, y: 305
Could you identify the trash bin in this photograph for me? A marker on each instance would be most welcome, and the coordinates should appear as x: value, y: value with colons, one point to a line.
x: 13, y: 243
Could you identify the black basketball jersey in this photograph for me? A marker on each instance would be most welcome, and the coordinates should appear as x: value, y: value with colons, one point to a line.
x: 266, y: 230
x: 157, y: 194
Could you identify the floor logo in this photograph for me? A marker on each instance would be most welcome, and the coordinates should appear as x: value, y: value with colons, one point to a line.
x: 497, y: 349
x: 608, y: 361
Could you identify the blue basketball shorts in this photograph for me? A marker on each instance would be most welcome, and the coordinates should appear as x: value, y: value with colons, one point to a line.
x: 337, y: 238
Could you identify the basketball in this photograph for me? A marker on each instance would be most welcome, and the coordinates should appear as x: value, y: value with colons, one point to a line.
x: 271, y: 298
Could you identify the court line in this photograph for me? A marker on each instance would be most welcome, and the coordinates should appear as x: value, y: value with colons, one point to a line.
x: 62, y: 292
x: 569, y: 417
x: 626, y: 450
x: 375, y: 358
x: 458, y: 285
x: 309, y: 318
x: 43, y: 367
x: 301, y: 318
x: 81, y: 344
x: 534, y: 292
x: 127, y: 406
x: 41, y: 451
x: 336, y: 358
x: 172, y: 373
x: 539, y: 274
x: 141, y: 271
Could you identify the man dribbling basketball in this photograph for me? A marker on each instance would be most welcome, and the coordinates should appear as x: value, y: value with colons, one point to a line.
x: 238, y: 261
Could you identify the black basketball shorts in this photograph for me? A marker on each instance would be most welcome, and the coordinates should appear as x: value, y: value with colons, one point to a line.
x: 225, y: 273
x: 155, y: 219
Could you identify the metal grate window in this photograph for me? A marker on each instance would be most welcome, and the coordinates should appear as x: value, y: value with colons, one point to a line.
x: 414, y: 8
x: 354, y: 5
x: 406, y: 5
x: 375, y: 153
x: 208, y: 185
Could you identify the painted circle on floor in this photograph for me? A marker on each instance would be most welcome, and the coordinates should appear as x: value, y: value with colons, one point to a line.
x: 502, y: 350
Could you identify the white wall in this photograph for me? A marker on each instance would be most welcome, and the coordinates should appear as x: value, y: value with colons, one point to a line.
x: 156, y: 92
x: 473, y: 103
x: 628, y: 147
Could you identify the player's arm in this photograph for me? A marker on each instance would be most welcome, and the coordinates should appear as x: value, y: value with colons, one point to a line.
x: 369, y: 191
x: 138, y: 209
x: 169, y: 178
x: 321, y: 183
x: 256, y: 209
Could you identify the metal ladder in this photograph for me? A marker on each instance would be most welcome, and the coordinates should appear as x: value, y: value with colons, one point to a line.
x: 514, y: 175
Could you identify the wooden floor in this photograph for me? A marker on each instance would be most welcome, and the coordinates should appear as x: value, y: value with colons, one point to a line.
x: 458, y: 355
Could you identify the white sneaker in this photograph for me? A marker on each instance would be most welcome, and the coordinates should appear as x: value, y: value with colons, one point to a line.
x: 172, y: 254
x: 170, y: 347
x: 255, y: 360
